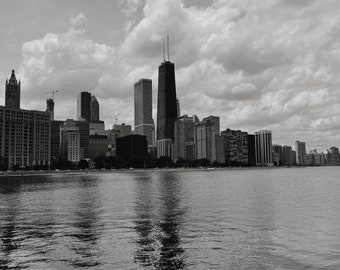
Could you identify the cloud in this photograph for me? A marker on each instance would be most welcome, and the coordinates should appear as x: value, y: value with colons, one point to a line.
x: 269, y: 64
x: 78, y: 19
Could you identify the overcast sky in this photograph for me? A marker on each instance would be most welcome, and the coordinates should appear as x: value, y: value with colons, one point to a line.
x: 269, y: 64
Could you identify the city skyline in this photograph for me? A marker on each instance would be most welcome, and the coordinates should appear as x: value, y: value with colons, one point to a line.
x: 291, y: 92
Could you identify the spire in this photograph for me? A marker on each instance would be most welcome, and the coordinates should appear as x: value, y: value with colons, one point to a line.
x: 12, y: 79
x: 168, y: 43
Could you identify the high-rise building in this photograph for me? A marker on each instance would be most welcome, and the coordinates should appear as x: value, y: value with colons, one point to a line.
x: 334, y: 152
x: 251, y: 150
x: 144, y: 124
x: 121, y: 130
x: 84, y: 133
x: 184, y: 138
x: 178, y: 108
x: 204, y: 137
x: 70, y: 141
x: 300, y: 149
x: 165, y: 148
x: 235, y: 146
x: 50, y: 107
x: 264, y: 148
x: 12, y: 99
x: 287, y: 155
x: 98, y: 145
x: 55, y: 141
x: 94, y: 109
x: 24, y: 134
x: 167, y: 104
x: 278, y: 150
x: 84, y: 106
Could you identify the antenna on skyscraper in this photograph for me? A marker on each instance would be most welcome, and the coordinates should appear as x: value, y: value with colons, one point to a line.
x: 168, y: 43
x: 163, y: 51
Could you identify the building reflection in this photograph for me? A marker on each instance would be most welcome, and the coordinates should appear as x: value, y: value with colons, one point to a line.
x: 158, y: 222
x: 87, y: 226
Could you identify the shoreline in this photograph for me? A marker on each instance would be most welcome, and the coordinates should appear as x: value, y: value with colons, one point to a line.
x: 81, y: 172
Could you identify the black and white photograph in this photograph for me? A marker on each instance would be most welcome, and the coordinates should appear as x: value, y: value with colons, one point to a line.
x: 169, y: 134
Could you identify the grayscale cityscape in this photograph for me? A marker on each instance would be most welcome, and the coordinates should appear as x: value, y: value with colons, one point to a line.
x: 169, y: 134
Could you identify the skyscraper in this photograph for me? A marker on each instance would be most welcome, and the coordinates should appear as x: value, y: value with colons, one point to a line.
x: 12, y: 100
x: 50, y: 107
x: 144, y: 124
x: 70, y: 141
x: 264, y: 148
x: 94, y: 109
x: 167, y: 101
x: 84, y: 106
x: 300, y: 149
x: 184, y: 138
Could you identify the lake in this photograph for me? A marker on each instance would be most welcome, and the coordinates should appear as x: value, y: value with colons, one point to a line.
x: 175, y: 219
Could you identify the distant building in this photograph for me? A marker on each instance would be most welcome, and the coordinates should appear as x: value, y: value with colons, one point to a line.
x: 94, y: 109
x: 264, y: 148
x: 97, y: 127
x: 98, y: 145
x: 220, y: 153
x: 84, y: 133
x: 251, y: 150
x: 132, y: 147
x: 50, y: 107
x: 235, y: 146
x: 334, y: 152
x: 184, y: 138
x: 277, y: 149
x: 12, y: 95
x: 165, y: 148
x: 55, y: 142
x: 167, y: 101
x: 287, y: 155
x: 84, y: 106
x: 122, y: 130
x: 24, y: 134
x: 300, y: 149
x: 70, y: 141
x: 144, y: 124
x: 178, y: 108
x: 204, y: 136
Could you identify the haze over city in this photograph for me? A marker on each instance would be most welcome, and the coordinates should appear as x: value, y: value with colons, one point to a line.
x: 258, y: 65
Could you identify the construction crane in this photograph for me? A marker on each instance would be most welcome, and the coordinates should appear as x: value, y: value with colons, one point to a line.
x: 52, y: 93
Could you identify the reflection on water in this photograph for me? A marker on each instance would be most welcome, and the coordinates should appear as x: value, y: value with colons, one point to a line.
x: 158, y: 221
x: 192, y: 220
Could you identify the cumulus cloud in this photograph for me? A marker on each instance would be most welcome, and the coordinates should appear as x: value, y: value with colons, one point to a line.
x: 270, y: 64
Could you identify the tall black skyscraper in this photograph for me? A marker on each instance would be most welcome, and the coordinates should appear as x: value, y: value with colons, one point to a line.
x: 12, y: 100
x: 84, y: 106
x: 167, y: 101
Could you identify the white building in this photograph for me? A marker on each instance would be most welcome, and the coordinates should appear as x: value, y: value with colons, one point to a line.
x: 263, y: 148
x: 70, y: 141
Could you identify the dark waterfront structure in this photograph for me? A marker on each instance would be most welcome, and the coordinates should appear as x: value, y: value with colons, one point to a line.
x: 84, y: 106
x: 167, y: 101
x: 251, y: 150
x: 144, y: 124
x: 132, y: 148
x: 12, y: 99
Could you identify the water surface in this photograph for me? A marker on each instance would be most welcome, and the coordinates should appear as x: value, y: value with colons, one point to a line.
x: 214, y: 219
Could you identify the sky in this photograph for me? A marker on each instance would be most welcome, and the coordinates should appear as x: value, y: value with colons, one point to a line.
x: 269, y: 64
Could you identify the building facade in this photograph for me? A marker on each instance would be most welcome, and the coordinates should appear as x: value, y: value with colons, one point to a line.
x: 165, y: 148
x: 70, y: 142
x: 167, y: 104
x: 84, y: 106
x: 144, y: 124
x: 184, y: 138
x: 12, y: 94
x: 94, y: 109
x: 300, y: 149
x: 235, y: 147
x: 264, y: 148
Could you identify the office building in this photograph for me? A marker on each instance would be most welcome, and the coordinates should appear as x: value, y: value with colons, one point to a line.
x: 263, y: 148
x: 98, y: 145
x: 167, y: 101
x: 70, y: 141
x: 165, y: 148
x: 235, y: 147
x: 24, y: 134
x: 94, y: 109
x: 50, y: 107
x: 184, y: 138
x: 300, y: 149
x: 12, y: 95
x: 84, y: 106
x: 121, y: 130
x: 144, y: 124
x: 204, y: 137
x: 132, y: 147
x: 97, y: 127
